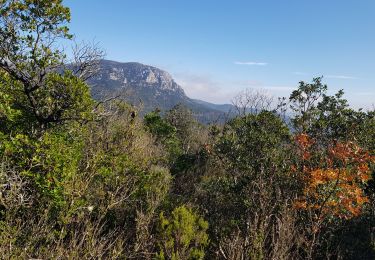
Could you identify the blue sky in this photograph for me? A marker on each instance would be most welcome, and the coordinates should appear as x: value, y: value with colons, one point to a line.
x: 214, y: 49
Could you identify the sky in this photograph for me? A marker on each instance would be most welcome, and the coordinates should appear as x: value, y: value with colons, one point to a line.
x: 216, y: 48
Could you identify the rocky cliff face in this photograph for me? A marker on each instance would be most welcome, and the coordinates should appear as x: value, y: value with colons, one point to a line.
x: 149, y: 86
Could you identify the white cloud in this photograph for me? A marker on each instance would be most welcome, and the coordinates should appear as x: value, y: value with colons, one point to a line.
x: 204, y: 87
x: 253, y: 63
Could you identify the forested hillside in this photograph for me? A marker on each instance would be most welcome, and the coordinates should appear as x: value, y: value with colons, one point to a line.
x: 83, y: 179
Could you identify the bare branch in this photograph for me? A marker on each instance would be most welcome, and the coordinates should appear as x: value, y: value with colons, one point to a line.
x: 252, y: 101
x: 11, y: 68
x: 86, y: 59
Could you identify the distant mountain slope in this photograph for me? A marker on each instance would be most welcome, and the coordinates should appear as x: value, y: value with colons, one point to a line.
x: 220, y: 107
x: 154, y: 88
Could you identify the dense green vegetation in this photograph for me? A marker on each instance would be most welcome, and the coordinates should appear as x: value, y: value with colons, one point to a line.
x: 81, y: 179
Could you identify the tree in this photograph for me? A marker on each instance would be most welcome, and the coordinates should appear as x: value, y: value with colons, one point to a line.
x: 334, y: 184
x: 183, y: 235
x: 334, y: 144
x: 164, y: 133
x: 252, y: 101
x: 333, y: 181
x: 31, y: 64
x: 188, y: 130
x: 247, y: 186
x: 158, y: 126
x: 303, y: 102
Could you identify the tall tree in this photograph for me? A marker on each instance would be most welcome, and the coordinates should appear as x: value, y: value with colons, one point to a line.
x: 31, y: 63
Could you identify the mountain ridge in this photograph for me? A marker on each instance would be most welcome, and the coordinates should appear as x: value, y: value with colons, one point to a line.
x: 150, y: 87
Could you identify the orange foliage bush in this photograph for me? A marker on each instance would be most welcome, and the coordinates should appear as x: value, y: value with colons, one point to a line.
x: 333, y: 185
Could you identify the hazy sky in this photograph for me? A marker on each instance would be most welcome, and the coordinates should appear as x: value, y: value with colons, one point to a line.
x: 216, y: 48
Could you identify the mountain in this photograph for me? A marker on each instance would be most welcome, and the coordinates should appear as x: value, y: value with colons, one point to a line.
x: 151, y: 88
x: 222, y: 107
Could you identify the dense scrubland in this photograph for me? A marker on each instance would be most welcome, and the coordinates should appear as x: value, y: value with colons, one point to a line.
x: 82, y: 179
